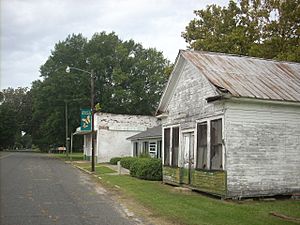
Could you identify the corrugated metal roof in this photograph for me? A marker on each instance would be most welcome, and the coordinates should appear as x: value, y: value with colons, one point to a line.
x: 247, y: 76
x: 149, y: 133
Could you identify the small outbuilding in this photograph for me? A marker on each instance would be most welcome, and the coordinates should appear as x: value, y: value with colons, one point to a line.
x: 147, y: 142
x: 112, y: 131
x: 231, y: 125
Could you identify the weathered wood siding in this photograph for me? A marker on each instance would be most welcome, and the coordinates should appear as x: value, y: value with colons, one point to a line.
x: 171, y: 175
x: 188, y: 103
x: 262, y: 148
x: 209, y: 181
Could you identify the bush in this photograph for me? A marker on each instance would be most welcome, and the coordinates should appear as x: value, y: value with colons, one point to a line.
x: 145, y: 155
x: 115, y: 160
x: 126, y: 162
x: 147, y: 169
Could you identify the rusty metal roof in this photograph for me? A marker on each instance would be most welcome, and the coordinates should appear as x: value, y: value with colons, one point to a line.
x: 244, y: 76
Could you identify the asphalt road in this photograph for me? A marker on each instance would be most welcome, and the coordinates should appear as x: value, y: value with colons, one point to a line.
x: 39, y: 190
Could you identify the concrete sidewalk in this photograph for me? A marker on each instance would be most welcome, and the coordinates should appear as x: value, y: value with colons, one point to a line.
x: 115, y: 167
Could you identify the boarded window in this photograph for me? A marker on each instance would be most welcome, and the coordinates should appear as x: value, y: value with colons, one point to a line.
x: 216, y: 145
x: 167, y: 146
x: 175, y: 145
x: 201, y: 146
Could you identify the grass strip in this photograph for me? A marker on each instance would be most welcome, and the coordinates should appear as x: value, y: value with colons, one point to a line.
x: 193, y: 208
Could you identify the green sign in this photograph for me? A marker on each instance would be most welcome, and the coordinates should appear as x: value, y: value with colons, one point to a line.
x: 86, y: 120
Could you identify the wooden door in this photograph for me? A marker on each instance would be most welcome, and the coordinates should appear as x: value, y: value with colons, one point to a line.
x: 188, y: 156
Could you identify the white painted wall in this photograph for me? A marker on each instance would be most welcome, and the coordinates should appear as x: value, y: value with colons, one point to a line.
x: 262, y: 140
x: 87, y: 145
x: 262, y: 148
x: 114, y: 129
x: 187, y: 103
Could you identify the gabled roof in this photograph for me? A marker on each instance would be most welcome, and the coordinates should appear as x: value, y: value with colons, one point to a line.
x: 243, y: 76
x: 249, y: 77
x: 154, y: 132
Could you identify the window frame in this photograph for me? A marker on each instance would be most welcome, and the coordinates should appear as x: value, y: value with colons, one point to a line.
x: 208, y: 121
x: 203, y: 161
x: 164, y: 161
x: 174, y: 162
x: 170, y: 143
x: 153, y: 144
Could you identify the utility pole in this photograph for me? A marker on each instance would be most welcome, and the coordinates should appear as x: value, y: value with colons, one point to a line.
x: 93, y: 122
x: 67, y: 129
x: 68, y: 69
x: 71, y: 148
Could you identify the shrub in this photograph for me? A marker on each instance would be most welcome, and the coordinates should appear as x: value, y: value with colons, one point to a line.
x: 147, y: 169
x: 114, y: 160
x: 145, y: 155
x: 126, y: 162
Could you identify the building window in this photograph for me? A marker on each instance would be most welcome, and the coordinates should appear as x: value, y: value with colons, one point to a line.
x: 167, y: 146
x: 201, y: 146
x: 216, y: 157
x: 135, y: 148
x: 215, y: 146
x: 152, y: 149
x: 145, y: 147
x: 159, y: 144
x: 175, y: 146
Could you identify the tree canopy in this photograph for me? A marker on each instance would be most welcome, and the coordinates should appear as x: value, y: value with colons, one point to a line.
x: 260, y: 28
x: 15, y: 117
x: 129, y: 79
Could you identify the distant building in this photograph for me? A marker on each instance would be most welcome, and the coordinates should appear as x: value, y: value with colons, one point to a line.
x: 112, y: 131
x: 147, y: 142
x: 231, y: 125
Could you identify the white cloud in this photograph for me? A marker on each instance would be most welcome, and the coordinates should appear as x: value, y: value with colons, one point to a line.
x: 30, y: 28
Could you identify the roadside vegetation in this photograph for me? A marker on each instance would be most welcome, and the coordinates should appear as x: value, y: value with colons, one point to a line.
x: 143, y: 167
x: 176, y: 207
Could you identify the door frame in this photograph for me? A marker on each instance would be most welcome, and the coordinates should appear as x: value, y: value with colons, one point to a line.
x: 190, y: 167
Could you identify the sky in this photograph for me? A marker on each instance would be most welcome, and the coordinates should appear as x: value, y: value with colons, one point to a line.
x: 31, y: 28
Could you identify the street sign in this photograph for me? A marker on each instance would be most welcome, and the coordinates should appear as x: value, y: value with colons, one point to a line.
x: 86, y: 120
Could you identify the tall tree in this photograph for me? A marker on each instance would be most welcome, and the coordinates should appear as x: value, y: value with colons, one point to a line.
x: 15, y: 115
x: 261, y: 28
x: 129, y: 79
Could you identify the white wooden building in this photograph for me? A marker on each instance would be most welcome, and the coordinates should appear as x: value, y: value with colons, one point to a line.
x: 112, y: 131
x: 231, y: 125
x: 147, y: 142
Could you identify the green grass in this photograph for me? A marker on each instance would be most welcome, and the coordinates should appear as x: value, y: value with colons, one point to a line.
x: 193, y: 208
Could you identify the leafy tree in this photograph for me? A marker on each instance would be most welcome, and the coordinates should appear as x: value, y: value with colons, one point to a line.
x: 261, y: 28
x: 15, y: 114
x: 8, y: 126
x: 128, y: 79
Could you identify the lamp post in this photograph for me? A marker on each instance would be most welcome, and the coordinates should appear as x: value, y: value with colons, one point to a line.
x: 68, y: 70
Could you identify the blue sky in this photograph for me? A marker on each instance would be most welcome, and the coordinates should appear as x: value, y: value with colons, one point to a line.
x: 30, y: 28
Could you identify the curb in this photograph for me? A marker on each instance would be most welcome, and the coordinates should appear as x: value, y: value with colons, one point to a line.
x: 84, y: 170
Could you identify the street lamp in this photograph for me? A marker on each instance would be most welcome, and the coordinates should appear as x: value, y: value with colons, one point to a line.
x: 68, y: 70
